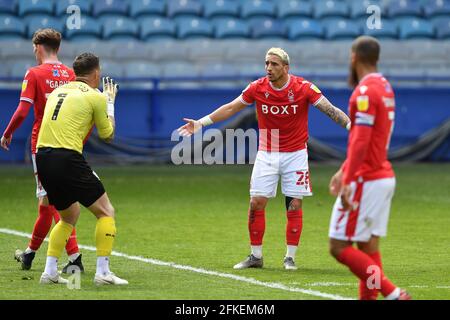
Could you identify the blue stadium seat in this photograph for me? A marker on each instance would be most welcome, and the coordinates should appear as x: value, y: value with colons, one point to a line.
x: 35, y: 7
x: 110, y: 7
x: 255, y: 70
x: 389, y: 30
x: 330, y: 8
x: 132, y: 50
x: 112, y: 68
x: 342, y: 29
x: 434, y: 8
x: 157, y: 28
x: 180, y: 69
x: 45, y: 22
x: 358, y: 8
x: 442, y: 27
x: 11, y: 27
x: 231, y: 28
x: 294, y: 8
x: 220, y: 8
x: 90, y: 29
x: 19, y: 67
x: 219, y: 69
x: 104, y: 49
x: 120, y: 29
x: 139, y: 8
x: 268, y: 28
x: 142, y: 69
x: 404, y: 8
x: 62, y: 5
x: 304, y: 29
x: 184, y: 8
x: 194, y: 28
x: 8, y: 6
x: 416, y: 28
x: 14, y: 49
x: 258, y: 8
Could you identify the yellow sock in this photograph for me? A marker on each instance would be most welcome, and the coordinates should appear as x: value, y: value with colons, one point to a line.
x: 105, y: 232
x: 58, y: 238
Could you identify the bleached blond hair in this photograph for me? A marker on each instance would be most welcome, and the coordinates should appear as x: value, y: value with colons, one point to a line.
x: 279, y: 53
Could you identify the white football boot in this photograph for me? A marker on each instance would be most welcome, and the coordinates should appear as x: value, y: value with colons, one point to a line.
x: 109, y: 278
x: 48, y: 279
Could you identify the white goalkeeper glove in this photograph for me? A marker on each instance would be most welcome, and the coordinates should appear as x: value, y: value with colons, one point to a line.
x: 110, y: 89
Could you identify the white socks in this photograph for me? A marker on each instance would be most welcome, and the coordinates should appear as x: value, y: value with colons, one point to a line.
x: 291, y: 251
x: 102, y: 266
x: 51, y: 266
x: 74, y: 257
x: 29, y: 250
x: 257, y: 251
x: 394, y: 294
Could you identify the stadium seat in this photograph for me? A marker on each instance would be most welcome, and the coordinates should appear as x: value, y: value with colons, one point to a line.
x: 388, y: 30
x: 140, y: 8
x: 231, y: 28
x: 44, y: 22
x: 120, y: 29
x: 194, y: 28
x: 16, y: 49
x: 404, y: 8
x: 4, y: 71
x: 112, y: 68
x: 110, y: 7
x: 358, y: 8
x: 342, y: 29
x: 254, y: 70
x: 90, y: 30
x: 170, y: 50
x: 206, y: 50
x: 294, y: 8
x: 416, y: 28
x: 220, y: 8
x: 19, y: 67
x: 62, y: 5
x: 267, y: 28
x: 8, y: 6
x: 330, y: 8
x: 157, y: 28
x: 180, y: 69
x: 103, y: 49
x: 142, y: 69
x: 26, y: 7
x: 258, y: 8
x: 11, y: 27
x: 184, y: 8
x: 132, y: 50
x: 442, y: 28
x: 435, y: 8
x: 219, y: 69
x: 304, y: 29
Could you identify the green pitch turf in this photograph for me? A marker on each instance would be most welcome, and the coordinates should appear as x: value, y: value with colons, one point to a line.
x: 197, y: 216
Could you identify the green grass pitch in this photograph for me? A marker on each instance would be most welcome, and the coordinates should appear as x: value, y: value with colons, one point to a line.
x: 197, y: 216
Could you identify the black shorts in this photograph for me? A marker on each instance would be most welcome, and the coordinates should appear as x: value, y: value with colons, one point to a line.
x: 67, y: 178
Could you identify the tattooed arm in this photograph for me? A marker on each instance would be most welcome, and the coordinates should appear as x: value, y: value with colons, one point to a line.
x: 336, y: 114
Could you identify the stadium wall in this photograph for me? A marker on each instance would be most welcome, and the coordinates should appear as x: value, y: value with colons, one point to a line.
x: 154, y: 114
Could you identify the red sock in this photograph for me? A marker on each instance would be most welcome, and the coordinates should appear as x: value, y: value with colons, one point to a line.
x: 359, y: 263
x: 71, y: 245
x: 294, y: 227
x: 256, y: 226
x: 364, y: 292
x: 41, y: 227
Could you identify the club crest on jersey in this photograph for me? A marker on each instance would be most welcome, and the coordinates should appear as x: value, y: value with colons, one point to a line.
x: 24, y: 85
x: 55, y: 73
x: 266, y: 94
x: 291, y: 96
x: 362, y: 103
x: 64, y: 73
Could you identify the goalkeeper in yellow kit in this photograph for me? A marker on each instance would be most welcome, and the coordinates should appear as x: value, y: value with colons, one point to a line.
x: 70, y: 113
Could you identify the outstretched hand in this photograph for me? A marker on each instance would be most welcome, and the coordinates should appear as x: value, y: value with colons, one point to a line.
x: 191, y: 127
x: 5, y: 142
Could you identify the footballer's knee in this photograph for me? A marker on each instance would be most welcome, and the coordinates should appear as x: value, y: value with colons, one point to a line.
x: 293, y: 204
x: 336, y: 247
x: 257, y: 203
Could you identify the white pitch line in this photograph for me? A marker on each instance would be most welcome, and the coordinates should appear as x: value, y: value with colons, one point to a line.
x: 272, y: 285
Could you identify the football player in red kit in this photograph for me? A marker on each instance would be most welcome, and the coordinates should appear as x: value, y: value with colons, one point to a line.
x: 37, y: 85
x: 282, y: 104
x: 365, y: 184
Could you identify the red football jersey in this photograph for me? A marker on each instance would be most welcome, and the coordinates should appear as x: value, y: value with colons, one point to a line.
x: 282, y: 113
x: 372, y: 104
x: 37, y: 85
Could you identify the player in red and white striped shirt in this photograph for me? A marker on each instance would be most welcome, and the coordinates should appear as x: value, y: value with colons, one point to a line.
x: 282, y: 104
x: 38, y: 83
x: 366, y: 182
